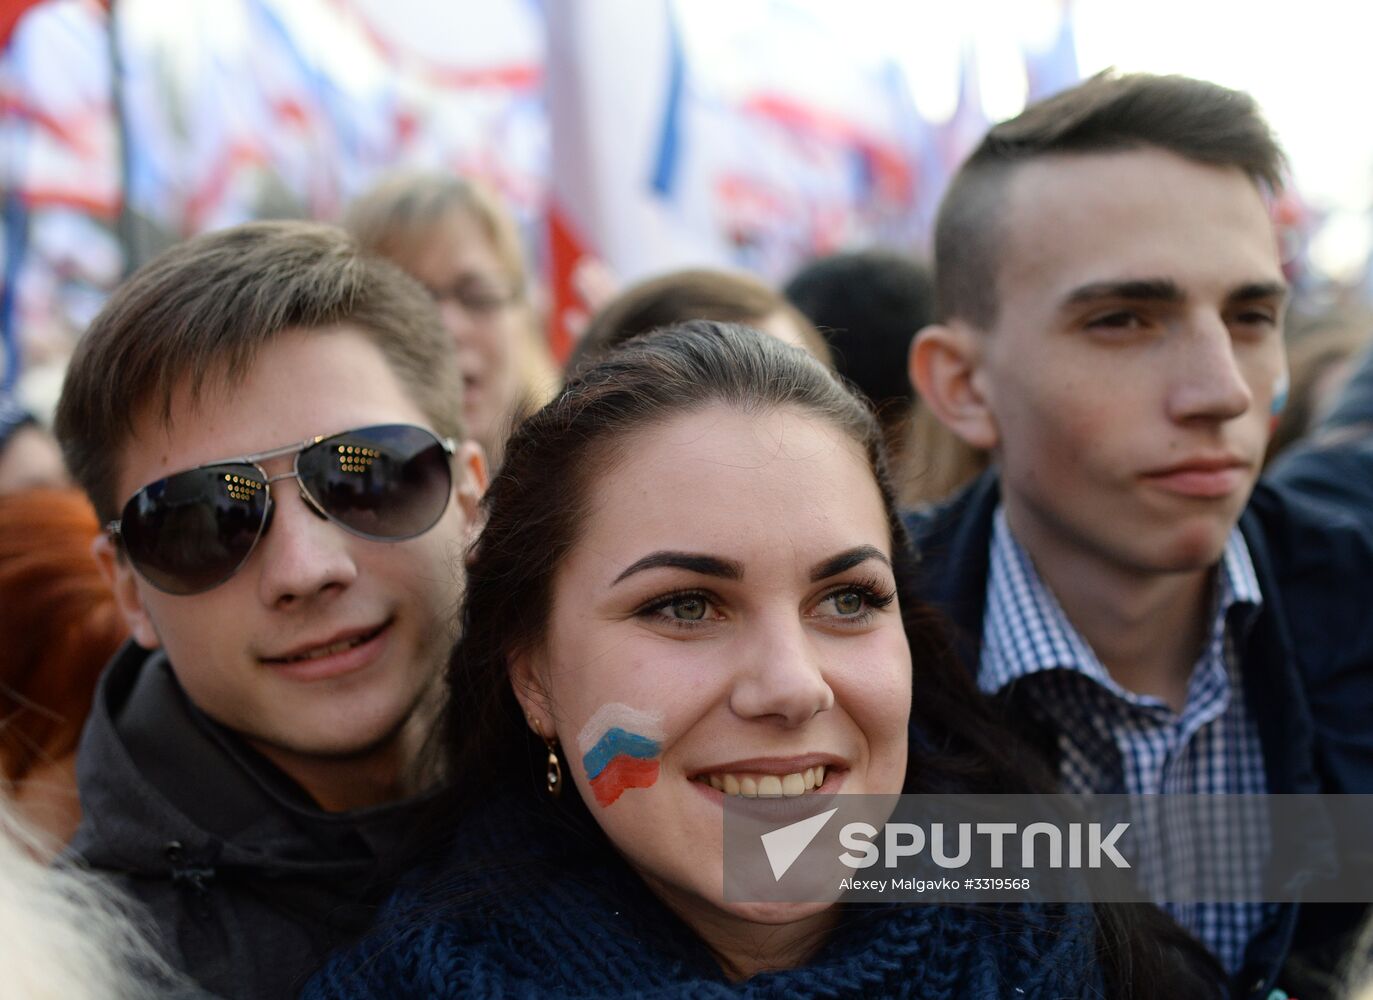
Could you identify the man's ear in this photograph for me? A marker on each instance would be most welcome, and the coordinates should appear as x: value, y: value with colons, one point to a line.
x: 946, y: 366
x: 119, y: 574
x: 527, y: 679
x: 470, y: 461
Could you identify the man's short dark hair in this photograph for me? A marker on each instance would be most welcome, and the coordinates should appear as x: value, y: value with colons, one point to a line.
x: 202, y: 311
x: 1196, y: 120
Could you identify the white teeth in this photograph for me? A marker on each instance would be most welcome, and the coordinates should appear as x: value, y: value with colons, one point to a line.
x: 751, y: 786
x: 323, y: 651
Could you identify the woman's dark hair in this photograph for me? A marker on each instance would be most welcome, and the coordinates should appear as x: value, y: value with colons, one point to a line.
x: 540, y: 498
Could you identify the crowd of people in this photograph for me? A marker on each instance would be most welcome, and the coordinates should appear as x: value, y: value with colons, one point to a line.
x: 371, y: 656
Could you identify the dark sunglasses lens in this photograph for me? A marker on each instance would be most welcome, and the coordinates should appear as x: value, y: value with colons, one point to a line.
x: 191, y: 531
x: 389, y: 482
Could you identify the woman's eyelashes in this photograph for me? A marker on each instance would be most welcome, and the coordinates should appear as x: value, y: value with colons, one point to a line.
x: 681, y: 609
x: 848, y: 604
x: 855, y: 603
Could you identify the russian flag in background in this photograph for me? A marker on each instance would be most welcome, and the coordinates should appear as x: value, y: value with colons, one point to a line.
x: 59, y: 179
x: 616, y: 77
x: 648, y: 134
x: 685, y: 136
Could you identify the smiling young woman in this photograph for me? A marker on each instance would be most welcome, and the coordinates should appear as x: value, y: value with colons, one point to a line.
x: 692, y: 585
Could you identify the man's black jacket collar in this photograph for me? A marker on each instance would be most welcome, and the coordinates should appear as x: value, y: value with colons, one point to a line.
x: 249, y: 884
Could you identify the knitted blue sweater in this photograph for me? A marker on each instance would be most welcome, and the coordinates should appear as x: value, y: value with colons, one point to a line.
x: 589, y: 928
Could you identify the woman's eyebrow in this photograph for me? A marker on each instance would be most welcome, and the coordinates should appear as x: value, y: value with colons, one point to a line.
x: 705, y: 565
x: 847, y: 560
x: 729, y: 570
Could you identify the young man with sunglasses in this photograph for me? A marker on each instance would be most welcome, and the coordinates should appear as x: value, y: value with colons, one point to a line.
x: 1110, y: 303
x: 269, y: 423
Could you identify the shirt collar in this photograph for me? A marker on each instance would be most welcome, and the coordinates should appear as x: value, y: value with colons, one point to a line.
x: 1239, y: 584
x: 1026, y: 631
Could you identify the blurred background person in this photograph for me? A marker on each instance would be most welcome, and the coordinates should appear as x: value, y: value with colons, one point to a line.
x: 457, y: 240
x: 869, y: 305
x: 702, y: 293
x: 29, y: 455
x: 1321, y: 357
x: 934, y: 463
x: 60, y: 627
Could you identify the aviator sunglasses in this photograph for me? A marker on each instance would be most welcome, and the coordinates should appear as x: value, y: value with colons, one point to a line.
x: 191, y: 531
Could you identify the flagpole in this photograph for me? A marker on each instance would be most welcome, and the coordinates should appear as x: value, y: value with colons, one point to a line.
x: 124, y: 221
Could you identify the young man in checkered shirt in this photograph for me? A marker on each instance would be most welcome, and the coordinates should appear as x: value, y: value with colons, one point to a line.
x: 1110, y: 303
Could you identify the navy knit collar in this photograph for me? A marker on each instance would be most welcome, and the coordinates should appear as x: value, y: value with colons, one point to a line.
x: 572, y: 921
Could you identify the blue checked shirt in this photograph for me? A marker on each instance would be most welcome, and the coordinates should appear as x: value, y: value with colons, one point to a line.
x: 1111, y: 740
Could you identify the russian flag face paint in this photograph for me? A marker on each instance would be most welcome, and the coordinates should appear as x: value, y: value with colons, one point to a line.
x: 620, y: 747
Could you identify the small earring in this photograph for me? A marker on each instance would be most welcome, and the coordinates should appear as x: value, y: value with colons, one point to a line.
x: 553, y: 774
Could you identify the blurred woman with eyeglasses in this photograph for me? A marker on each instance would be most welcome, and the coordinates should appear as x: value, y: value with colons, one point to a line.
x: 457, y: 240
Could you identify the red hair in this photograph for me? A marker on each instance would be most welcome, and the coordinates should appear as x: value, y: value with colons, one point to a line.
x: 58, y: 625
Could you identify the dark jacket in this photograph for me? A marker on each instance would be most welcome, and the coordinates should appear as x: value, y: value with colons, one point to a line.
x: 1307, y: 660
x: 1334, y: 467
x: 1355, y: 405
x: 249, y: 884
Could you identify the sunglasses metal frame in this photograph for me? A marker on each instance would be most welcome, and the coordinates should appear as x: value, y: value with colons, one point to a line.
x: 114, y: 528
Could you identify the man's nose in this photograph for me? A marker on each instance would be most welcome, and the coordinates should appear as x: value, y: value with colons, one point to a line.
x: 1207, y: 381
x: 303, y: 555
